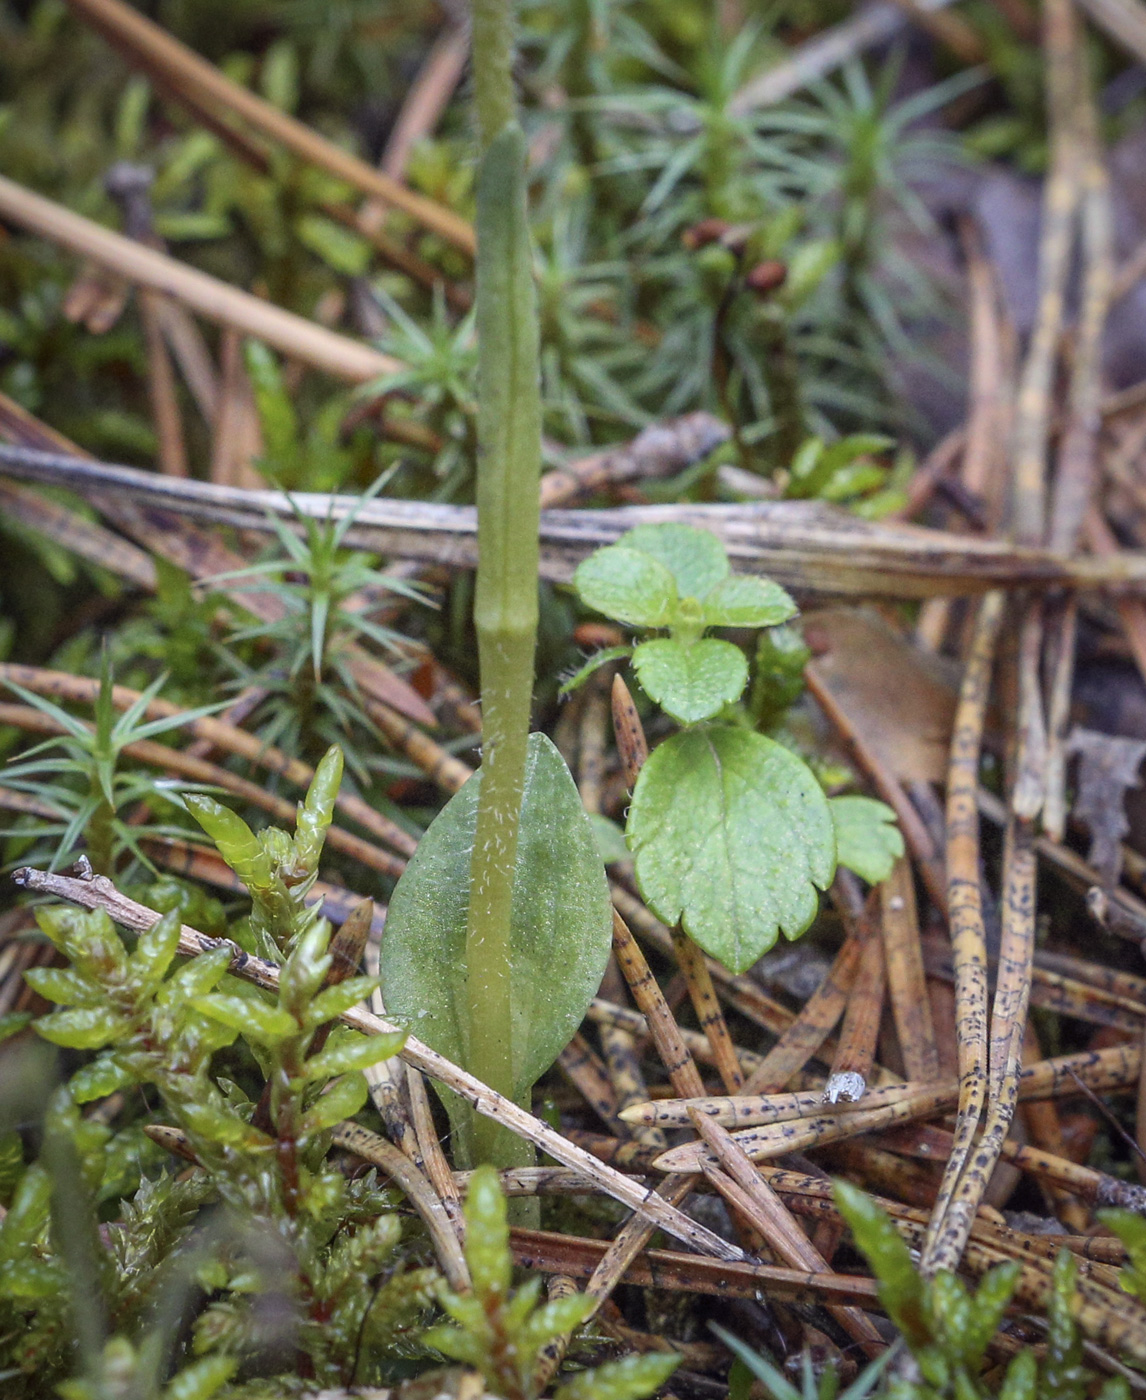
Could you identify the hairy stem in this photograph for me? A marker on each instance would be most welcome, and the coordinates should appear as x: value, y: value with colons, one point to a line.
x: 505, y: 603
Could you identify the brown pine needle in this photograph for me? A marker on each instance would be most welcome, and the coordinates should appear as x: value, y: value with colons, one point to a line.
x: 855, y: 1054
x: 748, y: 1193
x: 807, y: 1033
x: 799, y: 1121
x: 633, y: 749
x: 199, y: 770
x: 906, y: 979
x: 964, y: 900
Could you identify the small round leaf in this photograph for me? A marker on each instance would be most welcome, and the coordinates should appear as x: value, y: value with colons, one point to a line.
x: 867, y: 838
x: 744, y: 601
x: 732, y: 835
x: 628, y: 586
x: 695, y: 557
x: 691, y: 682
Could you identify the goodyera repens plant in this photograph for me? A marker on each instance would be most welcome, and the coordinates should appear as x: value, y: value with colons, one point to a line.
x: 731, y: 831
x: 499, y: 930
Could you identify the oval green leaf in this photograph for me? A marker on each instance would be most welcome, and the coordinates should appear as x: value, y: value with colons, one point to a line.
x: 691, y: 682
x: 253, y: 1019
x: 867, y: 838
x: 561, y: 927
x: 732, y: 836
x: 82, y: 1028
x: 746, y: 601
x: 695, y: 557
x: 628, y: 586
x: 357, y: 1054
x: 342, y: 1100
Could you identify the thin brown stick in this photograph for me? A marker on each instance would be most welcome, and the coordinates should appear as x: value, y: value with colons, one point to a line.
x: 916, y: 835
x: 1094, y: 1187
x: 199, y: 770
x: 237, y: 437
x: 589, y: 1076
x: 821, y: 552
x: 607, y: 1013
x: 619, y: 1042
x: 950, y: 30
x: 808, y: 1031
x: 195, y: 862
x: 186, y: 343
x: 739, y: 991
x: 930, y: 473
x: 1060, y: 201
x: 438, y: 764
x: 658, y: 451
x: 1115, y: 1067
x: 78, y: 536
x: 663, y: 1029
x: 1076, y: 475
x: 593, y: 729
x: 567, y: 1254
x: 632, y: 746
x: 629, y: 1083
x: 314, y: 345
x: 437, y: 1167
x: 171, y: 448
x: 82, y: 690
x: 986, y: 408
x: 906, y: 979
x: 1028, y: 791
x: 428, y: 96
x: 633, y: 749
x: 352, y: 1137
x: 1008, y: 1017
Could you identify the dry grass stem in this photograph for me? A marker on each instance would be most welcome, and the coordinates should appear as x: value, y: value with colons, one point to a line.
x: 181, y: 70
x: 821, y: 551
x: 292, y: 335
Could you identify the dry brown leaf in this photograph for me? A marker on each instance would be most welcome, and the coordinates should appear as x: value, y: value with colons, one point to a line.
x: 899, y: 698
x: 1107, y: 767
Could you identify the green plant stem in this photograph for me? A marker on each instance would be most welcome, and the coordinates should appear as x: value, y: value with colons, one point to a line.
x: 100, y: 837
x: 492, y: 48
x: 505, y: 602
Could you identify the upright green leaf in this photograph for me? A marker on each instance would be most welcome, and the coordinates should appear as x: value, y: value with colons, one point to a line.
x: 901, y: 1289
x: 561, y: 925
x: 487, y: 1236
x: 732, y: 836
